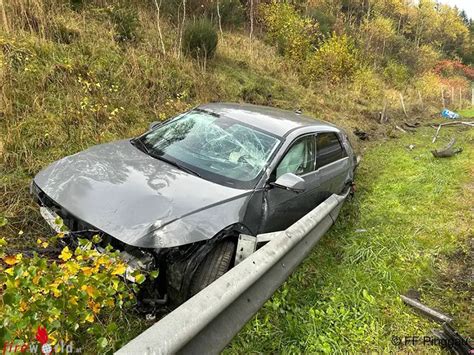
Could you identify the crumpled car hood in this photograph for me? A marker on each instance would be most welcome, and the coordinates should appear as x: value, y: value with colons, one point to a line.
x: 138, y: 199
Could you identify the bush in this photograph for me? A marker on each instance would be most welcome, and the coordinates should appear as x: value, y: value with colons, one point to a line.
x: 367, y: 84
x: 334, y: 61
x: 429, y: 86
x: 397, y: 74
x: 419, y: 59
x: 200, y: 39
x: 291, y: 33
x: 67, y: 296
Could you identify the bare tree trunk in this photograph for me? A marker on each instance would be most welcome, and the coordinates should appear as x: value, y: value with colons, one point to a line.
x: 159, y: 27
x: 421, y: 100
x: 220, y: 21
x: 383, y: 117
x: 251, y: 19
x: 403, y: 105
x: 182, y: 28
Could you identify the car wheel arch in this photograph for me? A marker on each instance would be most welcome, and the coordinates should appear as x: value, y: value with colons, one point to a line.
x: 180, y: 272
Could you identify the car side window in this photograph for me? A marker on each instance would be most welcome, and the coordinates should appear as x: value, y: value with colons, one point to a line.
x: 328, y: 149
x: 299, y: 159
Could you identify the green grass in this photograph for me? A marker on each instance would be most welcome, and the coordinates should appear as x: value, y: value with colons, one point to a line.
x: 345, y: 296
x: 467, y: 113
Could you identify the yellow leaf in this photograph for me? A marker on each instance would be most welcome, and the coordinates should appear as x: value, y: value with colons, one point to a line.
x: 44, y: 244
x: 90, y: 318
x: 94, y: 306
x: 36, y: 279
x: 23, y: 306
x: 87, y: 270
x: 54, y: 288
x: 119, y: 270
x: 73, y: 300
x: 10, y: 260
x: 65, y: 254
x: 72, y: 267
x: 103, y: 260
x: 90, y: 290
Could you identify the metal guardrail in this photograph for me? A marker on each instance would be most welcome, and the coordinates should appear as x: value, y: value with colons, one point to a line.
x: 207, y: 322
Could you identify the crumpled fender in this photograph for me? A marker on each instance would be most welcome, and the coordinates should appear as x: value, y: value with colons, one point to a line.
x: 198, y: 226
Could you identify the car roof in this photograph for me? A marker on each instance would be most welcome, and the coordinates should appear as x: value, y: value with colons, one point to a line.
x: 273, y: 120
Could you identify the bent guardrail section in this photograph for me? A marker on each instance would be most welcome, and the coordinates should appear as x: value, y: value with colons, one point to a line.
x: 207, y: 322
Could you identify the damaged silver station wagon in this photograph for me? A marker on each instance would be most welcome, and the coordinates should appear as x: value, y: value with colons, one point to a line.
x: 178, y: 197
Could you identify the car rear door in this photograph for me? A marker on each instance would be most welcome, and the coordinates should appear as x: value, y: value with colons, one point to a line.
x: 283, y: 207
x: 332, y: 164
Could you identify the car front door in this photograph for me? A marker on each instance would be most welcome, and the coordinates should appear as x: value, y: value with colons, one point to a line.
x: 283, y: 207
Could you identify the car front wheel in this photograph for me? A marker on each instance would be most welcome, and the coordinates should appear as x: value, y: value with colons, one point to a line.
x: 215, y: 264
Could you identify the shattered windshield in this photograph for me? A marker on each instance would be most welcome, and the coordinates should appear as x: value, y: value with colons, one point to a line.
x: 217, y: 148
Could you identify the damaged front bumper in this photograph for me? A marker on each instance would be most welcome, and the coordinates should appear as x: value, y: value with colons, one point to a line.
x: 136, y: 259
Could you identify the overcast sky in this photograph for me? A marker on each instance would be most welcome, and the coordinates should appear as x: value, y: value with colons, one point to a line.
x: 466, y: 5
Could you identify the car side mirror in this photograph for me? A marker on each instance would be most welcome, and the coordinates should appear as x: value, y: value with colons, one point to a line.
x: 290, y: 182
x: 153, y: 125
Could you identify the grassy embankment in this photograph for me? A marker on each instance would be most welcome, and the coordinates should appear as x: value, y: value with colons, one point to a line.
x: 409, y: 227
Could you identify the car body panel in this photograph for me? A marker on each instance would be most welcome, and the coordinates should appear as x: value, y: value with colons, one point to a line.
x: 283, y: 207
x: 145, y: 202
x: 270, y: 119
x: 131, y: 196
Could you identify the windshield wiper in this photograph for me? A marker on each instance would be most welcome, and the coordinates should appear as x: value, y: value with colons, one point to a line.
x: 174, y: 163
x: 137, y: 142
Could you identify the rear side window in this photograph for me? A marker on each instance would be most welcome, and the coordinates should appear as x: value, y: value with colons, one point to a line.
x: 328, y: 149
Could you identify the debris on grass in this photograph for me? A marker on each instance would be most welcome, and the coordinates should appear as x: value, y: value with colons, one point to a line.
x: 400, y: 129
x: 447, y: 151
x: 425, y: 310
x: 465, y: 123
x: 448, y: 336
x: 415, y: 124
x: 449, y: 114
x: 361, y: 134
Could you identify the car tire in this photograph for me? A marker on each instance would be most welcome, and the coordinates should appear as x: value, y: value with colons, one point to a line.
x: 215, y: 264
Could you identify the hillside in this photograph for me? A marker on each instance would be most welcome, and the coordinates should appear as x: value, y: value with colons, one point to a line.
x: 82, y: 72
